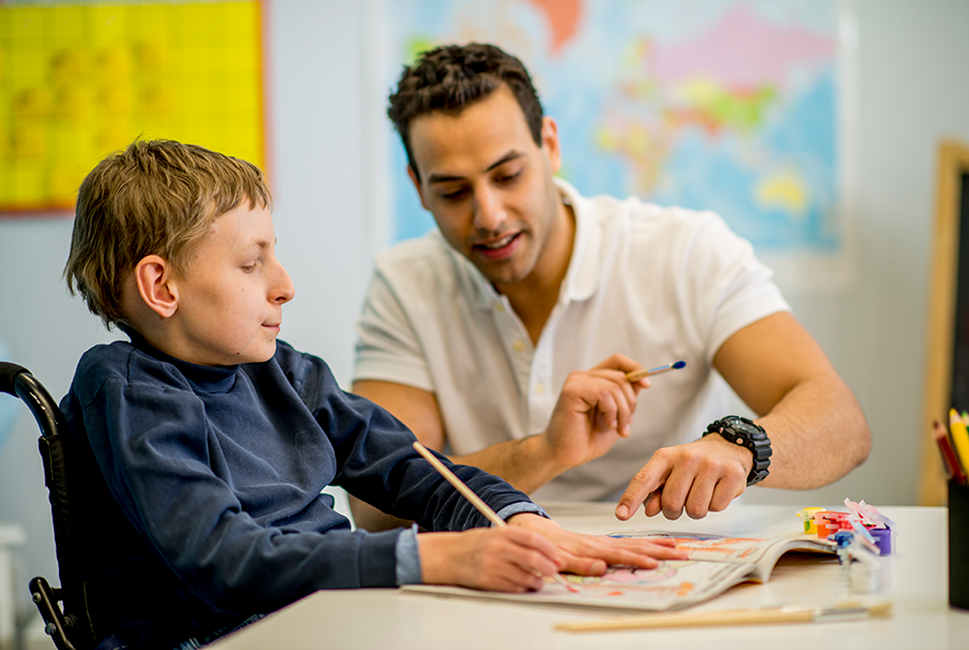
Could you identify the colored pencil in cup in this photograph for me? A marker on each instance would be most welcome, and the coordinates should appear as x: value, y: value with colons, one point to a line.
x: 475, y: 500
x: 960, y: 438
x: 953, y: 467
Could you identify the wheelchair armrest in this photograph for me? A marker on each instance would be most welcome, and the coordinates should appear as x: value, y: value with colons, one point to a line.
x: 46, y: 599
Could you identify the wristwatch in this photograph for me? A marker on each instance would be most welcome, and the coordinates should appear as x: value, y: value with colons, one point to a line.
x: 745, y: 433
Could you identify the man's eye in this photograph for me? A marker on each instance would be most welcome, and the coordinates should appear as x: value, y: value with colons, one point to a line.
x: 507, y: 178
x: 455, y: 194
x: 249, y: 268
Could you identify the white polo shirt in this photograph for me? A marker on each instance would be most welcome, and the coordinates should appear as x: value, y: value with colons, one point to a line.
x: 655, y: 284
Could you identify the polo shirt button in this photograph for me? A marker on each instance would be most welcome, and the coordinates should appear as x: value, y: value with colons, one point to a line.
x: 500, y: 307
x: 539, y: 389
x: 518, y: 346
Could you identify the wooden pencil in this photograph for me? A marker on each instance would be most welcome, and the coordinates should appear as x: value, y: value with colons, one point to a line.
x: 473, y: 498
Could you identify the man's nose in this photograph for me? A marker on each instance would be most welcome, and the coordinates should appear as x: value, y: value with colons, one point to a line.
x: 489, y: 211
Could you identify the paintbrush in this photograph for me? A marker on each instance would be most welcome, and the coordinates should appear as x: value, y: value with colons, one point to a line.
x: 787, y: 614
x: 636, y: 375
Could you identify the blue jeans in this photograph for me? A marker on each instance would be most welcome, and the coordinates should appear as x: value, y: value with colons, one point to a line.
x: 193, y: 644
x: 114, y: 643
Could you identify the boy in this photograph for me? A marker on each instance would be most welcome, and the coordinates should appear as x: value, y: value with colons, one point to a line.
x: 207, y: 443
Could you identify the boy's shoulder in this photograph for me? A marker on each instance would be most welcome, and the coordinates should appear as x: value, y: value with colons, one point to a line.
x: 121, y: 361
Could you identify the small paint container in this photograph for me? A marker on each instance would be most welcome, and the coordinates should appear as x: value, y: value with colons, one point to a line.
x: 842, y: 538
x: 807, y: 518
x: 883, y: 539
x: 827, y: 522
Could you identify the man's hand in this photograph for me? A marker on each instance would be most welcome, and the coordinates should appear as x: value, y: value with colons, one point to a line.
x: 699, y: 477
x: 591, y: 554
x: 594, y: 410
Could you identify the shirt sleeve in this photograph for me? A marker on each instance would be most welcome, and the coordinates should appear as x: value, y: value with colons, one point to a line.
x: 728, y: 287
x: 408, y: 554
x: 378, y: 464
x: 388, y: 347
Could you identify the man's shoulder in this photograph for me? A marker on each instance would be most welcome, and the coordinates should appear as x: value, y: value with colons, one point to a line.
x: 424, y: 262
x: 419, y: 250
x: 639, y: 224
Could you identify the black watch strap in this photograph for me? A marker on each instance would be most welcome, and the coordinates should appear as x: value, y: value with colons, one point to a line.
x: 743, y: 432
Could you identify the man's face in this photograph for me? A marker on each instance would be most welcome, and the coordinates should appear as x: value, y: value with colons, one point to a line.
x: 231, y: 297
x: 489, y: 186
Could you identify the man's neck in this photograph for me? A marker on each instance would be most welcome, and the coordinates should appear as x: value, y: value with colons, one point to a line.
x: 534, y: 298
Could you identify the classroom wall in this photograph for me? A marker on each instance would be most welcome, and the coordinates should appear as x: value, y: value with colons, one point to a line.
x: 911, y: 91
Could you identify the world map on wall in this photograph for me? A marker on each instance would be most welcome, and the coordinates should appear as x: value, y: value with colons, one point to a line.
x: 725, y: 105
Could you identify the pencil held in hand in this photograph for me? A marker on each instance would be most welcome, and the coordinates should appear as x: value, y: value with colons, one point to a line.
x: 636, y: 375
x: 473, y: 498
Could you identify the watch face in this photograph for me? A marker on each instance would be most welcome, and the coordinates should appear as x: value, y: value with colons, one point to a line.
x: 746, y: 433
x: 744, y: 425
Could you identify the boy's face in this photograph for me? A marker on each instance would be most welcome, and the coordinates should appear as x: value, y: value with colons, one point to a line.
x: 490, y: 187
x: 231, y: 297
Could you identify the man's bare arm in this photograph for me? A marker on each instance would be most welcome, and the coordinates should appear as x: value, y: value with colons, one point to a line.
x: 817, y: 429
x: 594, y: 410
x: 526, y: 464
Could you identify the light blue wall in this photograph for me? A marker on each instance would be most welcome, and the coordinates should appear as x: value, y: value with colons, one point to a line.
x: 912, y: 90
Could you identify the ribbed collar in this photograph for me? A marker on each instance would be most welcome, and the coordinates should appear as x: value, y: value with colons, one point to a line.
x: 209, y: 379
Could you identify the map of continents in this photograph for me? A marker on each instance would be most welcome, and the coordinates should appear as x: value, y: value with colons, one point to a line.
x: 723, y: 105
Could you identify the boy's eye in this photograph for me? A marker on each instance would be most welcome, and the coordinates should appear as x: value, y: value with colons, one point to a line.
x: 248, y: 268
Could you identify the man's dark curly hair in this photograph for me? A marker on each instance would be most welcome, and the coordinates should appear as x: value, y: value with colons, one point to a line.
x: 449, y: 78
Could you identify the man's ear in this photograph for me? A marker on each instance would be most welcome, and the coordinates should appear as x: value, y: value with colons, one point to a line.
x: 153, y: 276
x: 550, y: 142
x: 417, y: 186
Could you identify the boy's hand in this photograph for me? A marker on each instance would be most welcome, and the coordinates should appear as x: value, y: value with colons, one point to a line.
x: 510, y: 559
x: 591, y: 554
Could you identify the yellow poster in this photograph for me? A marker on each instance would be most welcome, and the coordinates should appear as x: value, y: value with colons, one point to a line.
x: 78, y: 82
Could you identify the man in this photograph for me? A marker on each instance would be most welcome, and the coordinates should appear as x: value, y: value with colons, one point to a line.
x: 505, y: 336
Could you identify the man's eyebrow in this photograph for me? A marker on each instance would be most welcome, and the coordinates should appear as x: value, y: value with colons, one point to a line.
x: 444, y: 178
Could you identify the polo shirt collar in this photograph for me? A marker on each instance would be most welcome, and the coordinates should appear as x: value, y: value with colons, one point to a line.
x: 582, y: 276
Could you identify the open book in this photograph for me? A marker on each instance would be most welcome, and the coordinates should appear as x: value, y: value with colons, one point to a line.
x: 716, y: 563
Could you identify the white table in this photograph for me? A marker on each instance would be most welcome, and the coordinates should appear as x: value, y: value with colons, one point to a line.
x: 10, y: 535
x: 387, y: 618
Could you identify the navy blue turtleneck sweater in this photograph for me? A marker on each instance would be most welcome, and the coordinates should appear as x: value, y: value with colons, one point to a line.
x: 205, y: 488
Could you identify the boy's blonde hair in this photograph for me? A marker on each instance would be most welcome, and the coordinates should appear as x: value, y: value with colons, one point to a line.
x: 157, y: 197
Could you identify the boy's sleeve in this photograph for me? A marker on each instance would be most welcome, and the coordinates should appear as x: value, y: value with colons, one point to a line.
x: 377, y: 464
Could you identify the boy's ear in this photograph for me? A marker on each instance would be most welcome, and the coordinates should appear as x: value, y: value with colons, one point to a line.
x: 153, y: 275
x: 417, y: 186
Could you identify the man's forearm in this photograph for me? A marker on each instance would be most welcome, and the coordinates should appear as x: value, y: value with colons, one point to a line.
x: 818, y: 434
x: 526, y: 464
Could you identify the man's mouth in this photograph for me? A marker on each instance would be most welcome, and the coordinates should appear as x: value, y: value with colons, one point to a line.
x: 498, y: 248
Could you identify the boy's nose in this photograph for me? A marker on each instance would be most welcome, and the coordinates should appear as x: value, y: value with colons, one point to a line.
x: 284, y: 290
